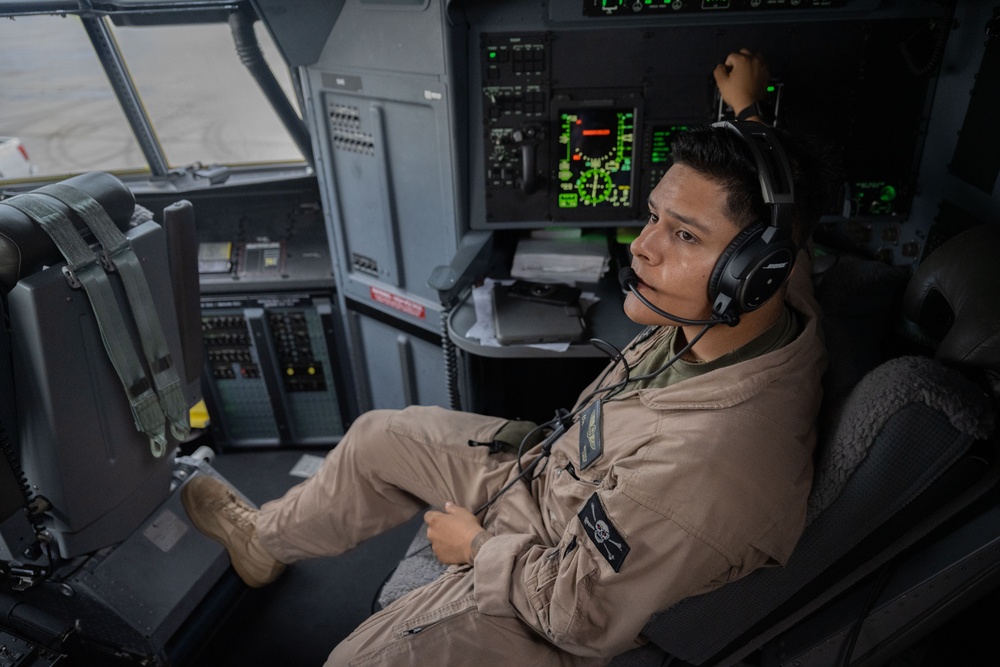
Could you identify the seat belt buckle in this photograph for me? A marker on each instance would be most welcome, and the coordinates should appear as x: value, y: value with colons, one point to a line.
x: 71, y: 278
x: 105, y: 258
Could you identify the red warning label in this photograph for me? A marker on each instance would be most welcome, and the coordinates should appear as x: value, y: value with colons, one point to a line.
x: 397, y: 302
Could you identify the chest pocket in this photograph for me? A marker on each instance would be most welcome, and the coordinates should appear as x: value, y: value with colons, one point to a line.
x: 569, y: 490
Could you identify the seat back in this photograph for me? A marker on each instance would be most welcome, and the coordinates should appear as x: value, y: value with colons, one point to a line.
x: 73, y: 428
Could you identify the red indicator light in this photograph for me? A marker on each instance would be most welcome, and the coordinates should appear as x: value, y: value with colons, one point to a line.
x: 596, y: 133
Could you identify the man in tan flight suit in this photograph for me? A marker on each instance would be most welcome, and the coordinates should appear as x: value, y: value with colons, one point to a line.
x: 692, y: 467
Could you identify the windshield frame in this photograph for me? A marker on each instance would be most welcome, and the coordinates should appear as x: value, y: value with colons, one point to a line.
x: 98, y: 18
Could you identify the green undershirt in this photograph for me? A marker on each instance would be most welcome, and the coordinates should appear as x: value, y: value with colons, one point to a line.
x: 779, y: 334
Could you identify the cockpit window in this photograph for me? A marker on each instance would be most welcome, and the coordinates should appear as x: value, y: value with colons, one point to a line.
x: 60, y: 115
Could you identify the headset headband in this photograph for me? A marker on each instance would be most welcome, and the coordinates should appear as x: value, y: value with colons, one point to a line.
x: 773, y: 169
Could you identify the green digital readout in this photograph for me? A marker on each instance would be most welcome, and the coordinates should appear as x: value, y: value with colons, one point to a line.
x: 660, y: 142
x: 595, y: 164
x: 568, y: 200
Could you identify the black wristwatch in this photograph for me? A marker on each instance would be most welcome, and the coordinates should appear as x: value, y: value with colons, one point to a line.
x: 758, y: 109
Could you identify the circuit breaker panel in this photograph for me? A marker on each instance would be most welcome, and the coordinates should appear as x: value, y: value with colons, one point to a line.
x: 275, y: 377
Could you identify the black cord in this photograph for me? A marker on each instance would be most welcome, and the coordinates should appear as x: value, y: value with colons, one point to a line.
x: 560, y: 423
x: 940, y: 36
x: 450, y: 361
x: 615, y: 389
x: 619, y: 356
x: 674, y: 359
x: 14, y: 462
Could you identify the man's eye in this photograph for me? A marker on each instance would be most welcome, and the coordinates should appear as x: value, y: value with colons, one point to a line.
x: 686, y: 236
x: 651, y: 217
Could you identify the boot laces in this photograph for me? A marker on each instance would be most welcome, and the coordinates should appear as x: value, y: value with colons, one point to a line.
x: 239, y: 513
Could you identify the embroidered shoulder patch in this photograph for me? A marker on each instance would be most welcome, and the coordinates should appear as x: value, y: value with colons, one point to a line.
x: 603, y: 533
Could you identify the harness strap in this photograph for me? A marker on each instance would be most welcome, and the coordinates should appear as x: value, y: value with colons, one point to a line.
x: 120, y: 254
x: 84, y: 270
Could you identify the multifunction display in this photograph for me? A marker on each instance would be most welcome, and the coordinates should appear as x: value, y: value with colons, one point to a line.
x: 595, y: 158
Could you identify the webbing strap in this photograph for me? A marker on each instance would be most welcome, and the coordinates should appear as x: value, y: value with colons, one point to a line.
x: 120, y: 254
x: 85, y: 270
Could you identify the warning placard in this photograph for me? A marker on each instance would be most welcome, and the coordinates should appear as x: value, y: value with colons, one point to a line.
x: 387, y: 298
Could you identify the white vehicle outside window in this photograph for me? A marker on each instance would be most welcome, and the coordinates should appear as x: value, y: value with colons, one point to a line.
x: 14, y: 160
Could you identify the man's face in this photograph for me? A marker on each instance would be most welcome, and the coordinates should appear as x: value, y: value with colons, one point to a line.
x: 678, y: 248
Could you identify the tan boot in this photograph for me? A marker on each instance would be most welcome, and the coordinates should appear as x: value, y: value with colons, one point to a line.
x: 216, y: 510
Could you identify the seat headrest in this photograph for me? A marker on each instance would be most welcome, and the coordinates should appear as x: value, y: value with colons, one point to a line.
x: 953, y: 297
x: 25, y: 247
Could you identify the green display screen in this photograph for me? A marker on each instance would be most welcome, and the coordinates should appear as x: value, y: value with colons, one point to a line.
x: 874, y: 198
x: 660, y: 141
x: 595, y: 158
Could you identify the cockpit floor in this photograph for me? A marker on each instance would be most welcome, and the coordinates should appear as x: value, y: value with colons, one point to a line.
x: 315, y: 604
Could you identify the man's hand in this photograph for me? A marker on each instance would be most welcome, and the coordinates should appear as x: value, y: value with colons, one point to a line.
x: 742, y: 79
x: 451, y: 533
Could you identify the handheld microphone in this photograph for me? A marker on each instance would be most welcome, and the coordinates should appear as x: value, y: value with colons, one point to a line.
x: 630, y: 281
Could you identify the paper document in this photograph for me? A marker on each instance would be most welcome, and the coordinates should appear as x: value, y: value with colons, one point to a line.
x: 560, y: 260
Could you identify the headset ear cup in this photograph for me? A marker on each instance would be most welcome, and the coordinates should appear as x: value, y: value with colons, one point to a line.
x: 759, y: 259
x: 717, y: 283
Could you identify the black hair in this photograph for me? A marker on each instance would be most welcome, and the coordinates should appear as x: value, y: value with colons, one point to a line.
x: 719, y: 154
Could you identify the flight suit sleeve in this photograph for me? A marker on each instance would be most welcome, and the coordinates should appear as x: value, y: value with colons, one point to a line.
x: 617, y: 563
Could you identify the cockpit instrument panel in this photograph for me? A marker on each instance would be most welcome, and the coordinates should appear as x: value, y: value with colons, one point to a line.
x: 572, y: 114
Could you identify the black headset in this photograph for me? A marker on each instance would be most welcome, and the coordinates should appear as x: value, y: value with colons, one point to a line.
x: 759, y: 260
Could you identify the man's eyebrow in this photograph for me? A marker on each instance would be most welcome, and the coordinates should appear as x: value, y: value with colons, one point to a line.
x: 687, y: 220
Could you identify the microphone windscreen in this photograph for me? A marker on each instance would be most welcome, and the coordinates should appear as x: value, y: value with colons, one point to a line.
x: 627, y: 278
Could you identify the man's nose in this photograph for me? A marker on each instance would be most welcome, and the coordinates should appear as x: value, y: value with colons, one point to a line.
x: 644, y: 244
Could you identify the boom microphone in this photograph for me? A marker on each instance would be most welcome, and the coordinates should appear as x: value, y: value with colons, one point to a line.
x: 630, y: 281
